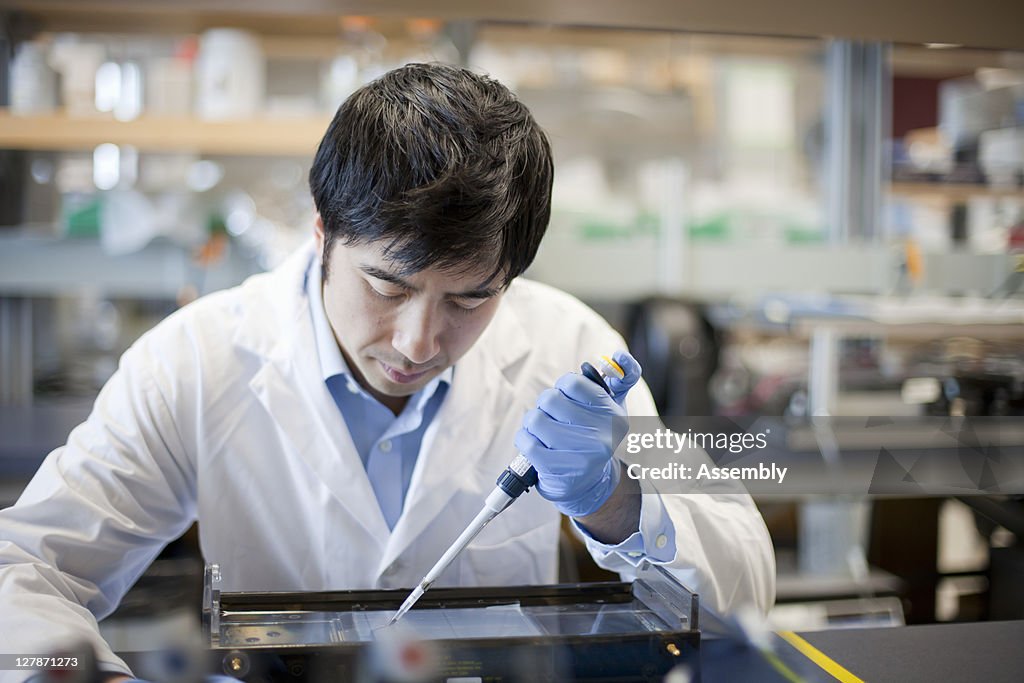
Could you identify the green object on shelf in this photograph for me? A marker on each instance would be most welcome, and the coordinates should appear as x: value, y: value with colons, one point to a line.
x: 589, y: 226
x: 647, y: 224
x: 803, y: 234
x: 216, y: 224
x: 596, y: 231
x: 81, y: 215
x: 715, y: 229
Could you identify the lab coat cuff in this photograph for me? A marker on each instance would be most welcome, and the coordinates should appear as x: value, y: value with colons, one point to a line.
x: 654, y: 541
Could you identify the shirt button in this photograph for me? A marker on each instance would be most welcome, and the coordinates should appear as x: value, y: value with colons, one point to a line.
x: 352, y: 386
x: 634, y: 554
x: 385, y: 446
x: 661, y: 541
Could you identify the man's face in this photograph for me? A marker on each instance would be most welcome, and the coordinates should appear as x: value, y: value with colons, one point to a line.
x: 398, y: 332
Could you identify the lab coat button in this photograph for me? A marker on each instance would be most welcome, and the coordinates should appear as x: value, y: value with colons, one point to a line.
x: 661, y: 541
x: 385, y: 446
x: 392, y: 569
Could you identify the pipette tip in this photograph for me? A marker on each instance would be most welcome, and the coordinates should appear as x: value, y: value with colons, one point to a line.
x: 416, y: 594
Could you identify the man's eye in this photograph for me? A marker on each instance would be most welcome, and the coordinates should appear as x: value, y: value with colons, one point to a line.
x: 466, y: 305
x: 384, y: 295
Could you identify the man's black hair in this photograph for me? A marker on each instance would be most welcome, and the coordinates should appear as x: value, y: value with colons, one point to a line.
x: 445, y: 166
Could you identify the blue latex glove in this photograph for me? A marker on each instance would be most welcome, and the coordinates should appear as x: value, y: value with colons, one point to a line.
x: 571, y: 436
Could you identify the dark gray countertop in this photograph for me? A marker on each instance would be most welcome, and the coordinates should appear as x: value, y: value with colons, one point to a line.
x: 991, y: 651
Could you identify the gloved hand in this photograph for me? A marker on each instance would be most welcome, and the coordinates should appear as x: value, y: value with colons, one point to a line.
x: 571, y: 436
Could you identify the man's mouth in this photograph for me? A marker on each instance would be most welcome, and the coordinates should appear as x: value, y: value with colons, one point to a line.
x: 396, y: 375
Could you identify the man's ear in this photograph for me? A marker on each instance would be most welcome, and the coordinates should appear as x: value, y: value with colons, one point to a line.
x: 318, y: 234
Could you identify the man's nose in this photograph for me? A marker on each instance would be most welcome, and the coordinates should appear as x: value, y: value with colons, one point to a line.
x: 417, y: 335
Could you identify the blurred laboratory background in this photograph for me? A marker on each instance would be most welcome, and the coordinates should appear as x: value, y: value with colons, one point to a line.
x: 784, y: 215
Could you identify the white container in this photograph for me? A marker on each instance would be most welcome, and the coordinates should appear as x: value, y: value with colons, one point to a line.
x: 230, y: 73
x: 169, y: 87
x: 833, y: 536
x: 78, y: 63
x: 33, y: 81
x: 1001, y: 155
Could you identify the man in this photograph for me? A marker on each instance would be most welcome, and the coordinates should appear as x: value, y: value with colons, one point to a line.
x: 335, y: 423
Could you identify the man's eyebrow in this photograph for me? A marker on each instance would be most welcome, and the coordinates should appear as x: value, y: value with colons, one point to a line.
x: 483, y: 293
x: 384, y: 275
x: 380, y: 274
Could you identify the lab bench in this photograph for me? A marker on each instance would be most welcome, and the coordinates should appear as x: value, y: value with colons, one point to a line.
x: 982, y: 651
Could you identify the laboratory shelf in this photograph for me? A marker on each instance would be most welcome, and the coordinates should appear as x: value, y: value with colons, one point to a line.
x: 249, y: 137
x: 894, y: 317
x: 978, y: 23
x: 953, y: 192
x: 51, y: 266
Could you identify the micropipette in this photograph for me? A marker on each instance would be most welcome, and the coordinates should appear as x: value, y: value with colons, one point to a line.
x: 517, y: 478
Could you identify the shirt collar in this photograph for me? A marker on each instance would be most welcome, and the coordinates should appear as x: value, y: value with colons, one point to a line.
x: 332, y: 362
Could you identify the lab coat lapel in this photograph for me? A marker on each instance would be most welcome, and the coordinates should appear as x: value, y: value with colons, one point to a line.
x: 296, y: 398
x: 462, y: 432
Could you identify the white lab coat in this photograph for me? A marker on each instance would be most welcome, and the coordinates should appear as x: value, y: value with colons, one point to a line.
x: 221, y: 412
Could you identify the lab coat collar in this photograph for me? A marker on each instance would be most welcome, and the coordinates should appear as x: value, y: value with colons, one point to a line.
x: 289, y: 386
x: 274, y: 302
